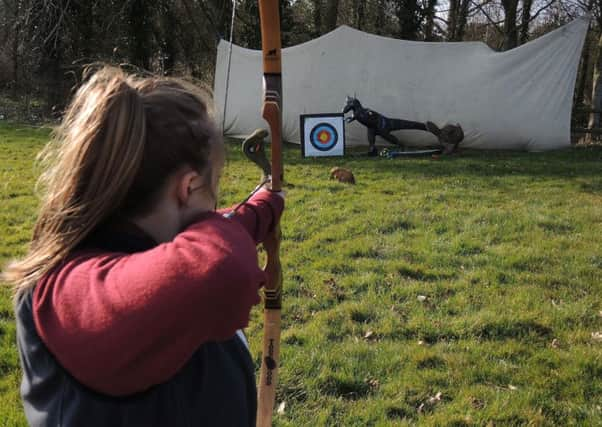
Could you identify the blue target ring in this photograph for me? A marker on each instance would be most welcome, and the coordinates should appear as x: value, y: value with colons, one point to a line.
x: 323, y: 137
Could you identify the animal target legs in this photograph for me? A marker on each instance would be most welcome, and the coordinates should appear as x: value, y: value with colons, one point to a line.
x: 372, y: 151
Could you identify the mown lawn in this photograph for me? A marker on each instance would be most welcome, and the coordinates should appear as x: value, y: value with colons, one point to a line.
x: 465, y: 291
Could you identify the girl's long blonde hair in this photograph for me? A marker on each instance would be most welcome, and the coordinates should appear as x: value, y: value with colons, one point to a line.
x: 120, y: 139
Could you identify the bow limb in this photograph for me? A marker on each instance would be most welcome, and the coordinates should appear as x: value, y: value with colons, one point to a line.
x: 272, y: 113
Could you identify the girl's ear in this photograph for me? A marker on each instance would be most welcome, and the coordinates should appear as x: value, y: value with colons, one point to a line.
x: 186, y: 184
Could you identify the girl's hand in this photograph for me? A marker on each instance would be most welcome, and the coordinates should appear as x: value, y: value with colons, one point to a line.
x: 268, y: 187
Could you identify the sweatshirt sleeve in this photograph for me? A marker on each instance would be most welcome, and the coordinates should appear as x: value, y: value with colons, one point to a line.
x: 259, y: 214
x: 121, y: 323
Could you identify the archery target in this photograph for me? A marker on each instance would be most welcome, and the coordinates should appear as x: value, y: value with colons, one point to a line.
x: 323, y: 135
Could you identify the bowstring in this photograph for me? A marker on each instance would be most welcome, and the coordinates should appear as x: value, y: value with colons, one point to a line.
x: 229, y: 66
x: 233, y: 212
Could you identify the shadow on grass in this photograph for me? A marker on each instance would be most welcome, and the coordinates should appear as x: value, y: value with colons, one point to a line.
x: 401, y: 412
x: 498, y: 330
x: 512, y: 329
x: 344, y: 388
x: 431, y: 362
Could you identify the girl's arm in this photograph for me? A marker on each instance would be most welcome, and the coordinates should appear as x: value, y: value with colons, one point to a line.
x: 259, y: 214
x: 121, y: 323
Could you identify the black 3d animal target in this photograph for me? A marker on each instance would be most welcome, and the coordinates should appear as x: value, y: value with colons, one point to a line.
x: 322, y: 135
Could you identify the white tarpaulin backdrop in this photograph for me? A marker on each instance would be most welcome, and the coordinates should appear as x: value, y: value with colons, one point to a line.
x: 518, y: 99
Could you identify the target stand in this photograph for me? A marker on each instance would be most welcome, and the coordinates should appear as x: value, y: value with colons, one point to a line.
x: 322, y: 135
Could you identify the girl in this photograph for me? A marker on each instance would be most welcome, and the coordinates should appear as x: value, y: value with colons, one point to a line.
x: 130, y: 297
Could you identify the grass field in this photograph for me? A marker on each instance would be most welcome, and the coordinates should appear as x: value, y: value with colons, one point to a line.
x: 460, y: 292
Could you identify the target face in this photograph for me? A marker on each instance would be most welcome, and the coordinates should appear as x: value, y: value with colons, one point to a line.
x: 322, y: 135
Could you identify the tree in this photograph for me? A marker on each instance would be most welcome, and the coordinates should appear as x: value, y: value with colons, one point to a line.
x: 331, y: 16
x: 409, y: 17
x: 317, y: 17
x: 380, y: 16
x: 585, y: 63
x: 510, y: 28
x: 525, y: 21
x: 140, y: 17
x: 429, y: 25
x: 359, y: 9
x: 594, y: 118
x: 457, y: 18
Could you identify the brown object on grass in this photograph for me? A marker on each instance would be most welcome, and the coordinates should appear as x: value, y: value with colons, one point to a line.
x: 342, y: 175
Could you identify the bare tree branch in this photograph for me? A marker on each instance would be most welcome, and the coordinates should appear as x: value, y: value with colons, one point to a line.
x: 473, y: 10
x: 491, y: 21
x: 541, y: 9
x: 55, y: 31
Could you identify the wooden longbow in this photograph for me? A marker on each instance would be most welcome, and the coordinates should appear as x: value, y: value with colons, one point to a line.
x: 269, y: 16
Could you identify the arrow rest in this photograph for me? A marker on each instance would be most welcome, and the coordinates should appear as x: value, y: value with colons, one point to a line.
x: 254, y: 148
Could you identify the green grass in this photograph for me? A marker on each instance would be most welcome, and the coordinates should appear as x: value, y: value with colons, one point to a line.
x: 506, y: 248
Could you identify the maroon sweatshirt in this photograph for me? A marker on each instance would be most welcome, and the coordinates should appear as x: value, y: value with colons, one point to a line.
x: 120, y: 323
